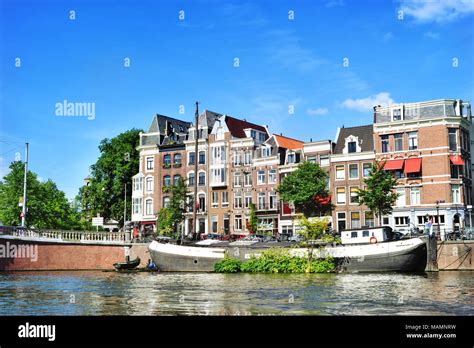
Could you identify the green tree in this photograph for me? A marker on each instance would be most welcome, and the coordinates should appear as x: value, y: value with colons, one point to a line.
x: 252, y: 224
x: 311, y: 230
x: 307, y: 188
x: 117, y: 164
x: 379, y: 195
x: 171, y: 217
x: 47, y: 206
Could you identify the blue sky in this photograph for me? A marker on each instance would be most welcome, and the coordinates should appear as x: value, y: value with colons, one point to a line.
x: 393, y: 56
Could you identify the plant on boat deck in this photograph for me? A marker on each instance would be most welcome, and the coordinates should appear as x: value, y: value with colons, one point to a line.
x: 276, y: 261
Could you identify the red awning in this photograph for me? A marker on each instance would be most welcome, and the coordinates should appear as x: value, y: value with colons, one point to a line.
x: 148, y: 222
x: 412, y: 165
x: 393, y: 165
x: 456, y: 160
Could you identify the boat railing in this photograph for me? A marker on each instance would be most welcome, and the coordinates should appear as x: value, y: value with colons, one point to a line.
x: 65, y: 236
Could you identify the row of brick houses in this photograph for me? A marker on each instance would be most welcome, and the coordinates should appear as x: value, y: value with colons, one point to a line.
x: 426, y: 145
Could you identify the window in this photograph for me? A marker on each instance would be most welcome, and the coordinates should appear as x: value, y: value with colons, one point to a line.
x: 456, y: 194
x: 398, y: 141
x: 365, y: 233
x: 340, y: 173
x: 202, y: 157
x: 453, y: 144
x: 215, y: 199
x: 225, y: 199
x: 248, y: 199
x: 401, y: 220
x: 312, y: 159
x: 191, y: 179
x: 237, y: 182
x: 272, y: 176
x: 149, y: 163
x: 219, y: 133
x: 341, y: 221
x: 369, y: 219
x: 353, y: 171
x: 149, y: 207
x: 272, y: 199
x: 324, y: 160
x: 455, y: 172
x: 354, y: 195
x: 238, y: 223
x: 366, y: 167
x: 192, y: 158
x: 248, y: 179
x: 266, y: 151
x: 166, y: 202
x: 261, y: 177
x: 247, y: 158
x: 202, y: 179
x: 415, y: 196
x: 355, y: 219
x: 261, y: 200
x: 351, y: 147
x: 385, y: 220
x: 201, y: 202
x: 176, y: 179
x: 237, y: 161
x: 423, y: 219
x: 412, y: 140
x: 341, y: 195
x: 354, y: 234
x: 237, y: 200
x: 218, y: 176
x: 253, y: 133
x: 166, y: 180
x: 397, y: 114
x: 167, y: 160
x: 137, y: 205
x: 291, y: 158
x: 214, y: 223
x: 385, y: 145
x: 262, y: 136
x: 137, y: 184
x: 177, y: 159
x: 218, y: 155
x: 401, y: 201
x: 149, y: 184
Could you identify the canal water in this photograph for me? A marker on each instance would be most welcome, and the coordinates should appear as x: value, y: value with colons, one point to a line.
x: 111, y: 293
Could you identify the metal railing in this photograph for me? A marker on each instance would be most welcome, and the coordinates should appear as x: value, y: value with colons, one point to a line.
x: 65, y: 236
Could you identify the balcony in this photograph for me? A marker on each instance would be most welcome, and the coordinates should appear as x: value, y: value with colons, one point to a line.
x: 267, y: 208
x: 177, y: 165
x: 166, y: 165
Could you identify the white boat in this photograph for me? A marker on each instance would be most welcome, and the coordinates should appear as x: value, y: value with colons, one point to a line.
x: 362, y: 250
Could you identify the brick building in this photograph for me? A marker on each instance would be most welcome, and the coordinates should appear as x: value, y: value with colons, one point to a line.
x: 427, y: 147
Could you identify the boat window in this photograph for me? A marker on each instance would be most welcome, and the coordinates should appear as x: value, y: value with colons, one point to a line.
x: 353, y: 234
x: 365, y: 233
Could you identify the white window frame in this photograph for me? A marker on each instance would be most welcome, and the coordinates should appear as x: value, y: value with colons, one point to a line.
x: 415, y: 192
x: 260, y: 179
x: 272, y: 173
x: 146, y: 206
x: 149, y: 182
x: 345, y: 196
x: 147, y: 169
x: 343, y: 172
x: 349, y: 171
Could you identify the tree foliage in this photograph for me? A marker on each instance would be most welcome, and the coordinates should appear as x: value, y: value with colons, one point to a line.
x: 47, y: 206
x: 379, y: 195
x: 252, y: 224
x: 307, y: 188
x: 117, y: 164
x: 311, y: 230
x: 171, y: 217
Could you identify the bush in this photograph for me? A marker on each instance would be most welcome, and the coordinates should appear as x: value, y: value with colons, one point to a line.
x: 275, y: 261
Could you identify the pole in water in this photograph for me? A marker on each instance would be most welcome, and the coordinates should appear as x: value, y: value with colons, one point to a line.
x: 23, y: 215
x: 196, y: 136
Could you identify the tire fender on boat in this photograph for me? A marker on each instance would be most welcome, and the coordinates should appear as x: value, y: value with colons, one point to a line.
x: 373, y: 240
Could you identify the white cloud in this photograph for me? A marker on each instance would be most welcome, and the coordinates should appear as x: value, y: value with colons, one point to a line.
x: 436, y: 11
x: 388, y: 36
x: 334, y: 3
x: 431, y: 35
x: 367, y: 104
x: 317, y: 111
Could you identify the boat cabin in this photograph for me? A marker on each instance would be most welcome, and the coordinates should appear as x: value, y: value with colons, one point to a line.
x: 367, y: 235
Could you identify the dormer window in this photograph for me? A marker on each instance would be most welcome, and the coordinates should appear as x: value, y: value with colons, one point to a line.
x: 351, y: 147
x: 397, y: 114
x: 266, y: 151
x: 253, y: 134
x: 291, y: 158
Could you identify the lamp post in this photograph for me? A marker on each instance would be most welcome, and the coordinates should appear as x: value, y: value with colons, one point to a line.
x: 469, y: 210
x: 437, y: 213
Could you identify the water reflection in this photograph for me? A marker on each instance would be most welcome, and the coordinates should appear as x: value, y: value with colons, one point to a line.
x: 110, y: 293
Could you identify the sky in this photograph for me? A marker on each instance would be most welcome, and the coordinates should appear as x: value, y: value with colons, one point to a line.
x: 303, y: 68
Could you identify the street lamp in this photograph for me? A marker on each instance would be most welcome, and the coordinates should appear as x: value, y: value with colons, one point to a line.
x: 469, y: 210
x: 437, y: 213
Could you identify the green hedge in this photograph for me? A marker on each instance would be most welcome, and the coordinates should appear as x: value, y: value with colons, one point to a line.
x: 275, y: 261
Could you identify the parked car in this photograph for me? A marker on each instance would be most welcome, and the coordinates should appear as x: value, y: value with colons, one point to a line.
x: 296, y: 238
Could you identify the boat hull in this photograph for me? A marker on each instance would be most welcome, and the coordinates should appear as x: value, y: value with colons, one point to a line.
x: 399, y: 256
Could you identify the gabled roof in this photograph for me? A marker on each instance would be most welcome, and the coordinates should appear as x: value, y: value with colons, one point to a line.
x: 288, y: 143
x: 364, y: 133
x: 236, y: 127
x: 208, y: 118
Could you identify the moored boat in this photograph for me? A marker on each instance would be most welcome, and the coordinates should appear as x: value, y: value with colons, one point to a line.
x: 127, y: 265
